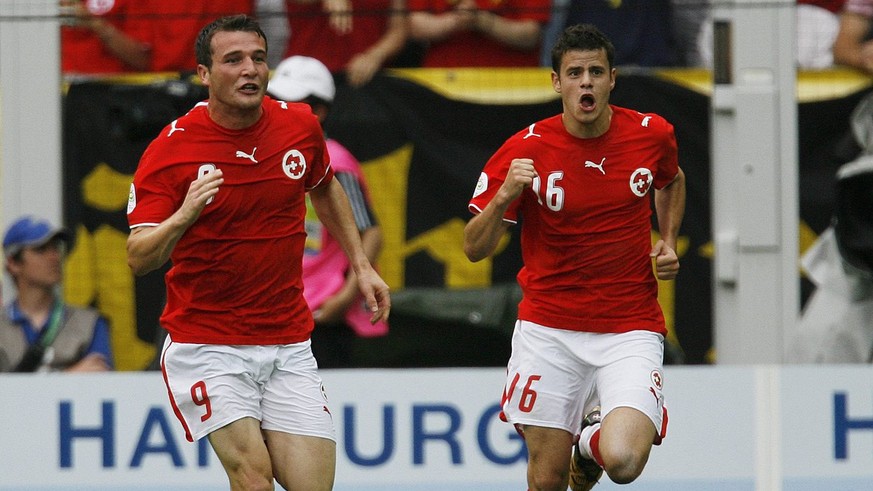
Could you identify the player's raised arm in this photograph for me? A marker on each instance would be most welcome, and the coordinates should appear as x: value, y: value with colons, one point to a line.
x: 149, y: 248
x: 483, y: 231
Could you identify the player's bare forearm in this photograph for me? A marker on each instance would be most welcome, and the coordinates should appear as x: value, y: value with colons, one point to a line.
x: 332, y: 207
x: 371, y: 241
x: 333, y: 308
x: 335, y: 213
x: 670, y: 209
x: 483, y: 232
x: 149, y: 248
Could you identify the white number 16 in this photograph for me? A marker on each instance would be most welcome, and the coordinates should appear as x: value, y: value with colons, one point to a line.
x: 554, y: 194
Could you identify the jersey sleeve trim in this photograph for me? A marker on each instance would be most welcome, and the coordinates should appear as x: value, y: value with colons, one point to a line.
x: 326, y: 173
x: 143, y: 224
x: 476, y: 210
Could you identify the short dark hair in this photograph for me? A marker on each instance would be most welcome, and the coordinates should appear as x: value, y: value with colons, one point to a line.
x: 581, y: 37
x: 241, y: 22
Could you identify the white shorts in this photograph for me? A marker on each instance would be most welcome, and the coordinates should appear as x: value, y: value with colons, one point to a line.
x: 211, y: 386
x: 555, y: 376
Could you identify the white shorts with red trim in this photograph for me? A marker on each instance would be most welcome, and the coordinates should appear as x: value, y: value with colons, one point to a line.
x: 556, y: 376
x: 211, y: 386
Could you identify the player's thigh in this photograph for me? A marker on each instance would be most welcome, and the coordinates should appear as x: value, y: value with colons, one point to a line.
x: 547, y: 384
x: 633, y: 378
x: 211, y: 386
x: 548, y: 449
x: 626, y: 434
x: 294, y: 398
x: 302, y: 463
x: 240, y: 447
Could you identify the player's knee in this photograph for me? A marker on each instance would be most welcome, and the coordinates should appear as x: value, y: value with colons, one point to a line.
x: 251, y: 478
x: 625, y: 466
x: 257, y: 483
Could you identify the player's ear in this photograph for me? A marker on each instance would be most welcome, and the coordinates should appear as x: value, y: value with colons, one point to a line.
x: 556, y: 82
x: 203, y: 73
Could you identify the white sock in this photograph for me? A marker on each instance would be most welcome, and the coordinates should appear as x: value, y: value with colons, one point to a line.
x: 585, y: 440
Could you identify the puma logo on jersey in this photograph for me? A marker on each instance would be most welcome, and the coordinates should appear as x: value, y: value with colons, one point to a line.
x: 597, y: 166
x: 242, y: 155
x: 530, y: 132
x: 645, y: 122
x: 173, y: 128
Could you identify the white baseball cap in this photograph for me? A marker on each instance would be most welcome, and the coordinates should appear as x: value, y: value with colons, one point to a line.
x: 299, y: 77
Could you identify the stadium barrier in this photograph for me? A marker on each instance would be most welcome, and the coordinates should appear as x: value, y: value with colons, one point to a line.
x: 789, y: 428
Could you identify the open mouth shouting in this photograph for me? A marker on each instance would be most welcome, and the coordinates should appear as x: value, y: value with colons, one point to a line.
x: 587, y: 102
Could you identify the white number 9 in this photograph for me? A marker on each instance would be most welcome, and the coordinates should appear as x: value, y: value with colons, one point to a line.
x: 202, y: 171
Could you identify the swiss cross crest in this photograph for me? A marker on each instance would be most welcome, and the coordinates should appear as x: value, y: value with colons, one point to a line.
x: 641, y: 181
x: 657, y: 379
x: 294, y: 164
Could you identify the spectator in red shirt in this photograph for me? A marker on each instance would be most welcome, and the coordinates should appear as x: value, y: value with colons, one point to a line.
x: 479, y: 32
x: 356, y: 37
x: 174, y: 27
x: 102, y: 37
x: 115, y: 36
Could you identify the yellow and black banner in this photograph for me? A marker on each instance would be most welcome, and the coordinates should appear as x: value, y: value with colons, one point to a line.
x: 422, y: 137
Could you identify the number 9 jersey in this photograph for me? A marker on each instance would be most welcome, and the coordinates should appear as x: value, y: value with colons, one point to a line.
x: 236, y: 272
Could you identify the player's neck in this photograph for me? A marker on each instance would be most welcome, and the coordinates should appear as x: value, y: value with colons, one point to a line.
x: 233, y: 118
x: 592, y: 129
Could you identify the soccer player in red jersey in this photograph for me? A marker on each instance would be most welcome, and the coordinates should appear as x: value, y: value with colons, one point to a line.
x: 220, y: 193
x: 589, y: 336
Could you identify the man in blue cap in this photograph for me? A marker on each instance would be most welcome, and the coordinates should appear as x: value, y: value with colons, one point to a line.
x: 45, y: 334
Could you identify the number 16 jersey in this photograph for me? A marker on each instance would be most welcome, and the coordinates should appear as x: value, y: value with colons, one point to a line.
x: 586, y: 221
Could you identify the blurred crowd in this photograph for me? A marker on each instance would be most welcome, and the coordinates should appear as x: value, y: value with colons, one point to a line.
x: 360, y: 37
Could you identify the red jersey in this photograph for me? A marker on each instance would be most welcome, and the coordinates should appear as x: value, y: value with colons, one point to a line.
x: 236, y: 272
x: 472, y: 49
x: 586, y: 229
x: 312, y: 35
